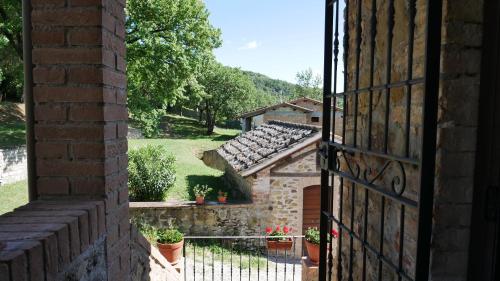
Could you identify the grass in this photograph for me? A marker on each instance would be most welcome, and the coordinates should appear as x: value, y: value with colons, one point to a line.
x: 186, y: 139
x: 250, y: 258
x: 13, y: 195
x: 12, y: 125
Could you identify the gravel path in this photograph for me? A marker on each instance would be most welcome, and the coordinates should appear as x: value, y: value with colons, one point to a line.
x: 275, y: 270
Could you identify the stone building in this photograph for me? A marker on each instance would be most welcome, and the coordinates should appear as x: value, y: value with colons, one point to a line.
x: 76, y: 226
x: 302, y: 110
x: 276, y: 166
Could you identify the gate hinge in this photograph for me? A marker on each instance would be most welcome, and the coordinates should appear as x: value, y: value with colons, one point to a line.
x: 327, y: 156
x: 492, y: 206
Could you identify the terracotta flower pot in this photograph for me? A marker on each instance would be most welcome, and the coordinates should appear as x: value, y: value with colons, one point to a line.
x: 200, y: 200
x: 313, y: 252
x: 222, y: 199
x: 280, y: 245
x: 172, y: 252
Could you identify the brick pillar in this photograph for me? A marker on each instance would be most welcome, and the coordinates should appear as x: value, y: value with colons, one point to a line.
x: 81, y: 113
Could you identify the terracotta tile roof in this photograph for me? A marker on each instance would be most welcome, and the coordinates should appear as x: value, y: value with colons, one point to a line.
x: 266, y: 143
x: 273, y: 107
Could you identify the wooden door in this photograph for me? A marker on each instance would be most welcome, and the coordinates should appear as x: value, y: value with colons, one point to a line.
x: 311, y: 207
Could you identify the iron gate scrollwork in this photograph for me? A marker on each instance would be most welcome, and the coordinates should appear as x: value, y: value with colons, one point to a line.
x: 377, y: 175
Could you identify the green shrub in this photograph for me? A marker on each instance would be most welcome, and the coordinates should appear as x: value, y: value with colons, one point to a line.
x: 169, y: 236
x: 312, y: 235
x: 201, y: 190
x: 151, y: 173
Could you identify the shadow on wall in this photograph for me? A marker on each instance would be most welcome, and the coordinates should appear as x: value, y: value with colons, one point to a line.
x: 216, y: 183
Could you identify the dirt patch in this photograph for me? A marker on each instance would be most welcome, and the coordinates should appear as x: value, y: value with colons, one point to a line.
x: 12, y: 112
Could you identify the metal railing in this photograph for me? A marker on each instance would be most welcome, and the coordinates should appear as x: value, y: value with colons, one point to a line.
x: 240, y: 258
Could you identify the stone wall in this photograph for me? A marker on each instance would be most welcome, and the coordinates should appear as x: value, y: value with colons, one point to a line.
x: 457, y: 122
x: 13, y: 165
x: 276, y: 195
x: 216, y: 219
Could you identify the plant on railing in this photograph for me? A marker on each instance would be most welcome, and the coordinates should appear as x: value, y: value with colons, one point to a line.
x: 222, y: 197
x: 170, y: 241
x: 276, y: 239
x: 200, y: 192
x: 312, y: 242
x: 151, y: 173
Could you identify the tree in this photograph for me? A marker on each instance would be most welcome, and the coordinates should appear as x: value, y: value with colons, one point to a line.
x: 308, y: 84
x: 228, y: 92
x: 168, y: 42
x: 11, y: 50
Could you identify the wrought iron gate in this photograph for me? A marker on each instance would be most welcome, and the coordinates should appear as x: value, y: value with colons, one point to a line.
x: 377, y: 176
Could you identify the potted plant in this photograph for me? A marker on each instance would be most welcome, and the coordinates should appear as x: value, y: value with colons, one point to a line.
x: 170, y: 242
x: 275, y: 239
x: 200, y: 191
x: 312, y: 243
x: 222, y: 197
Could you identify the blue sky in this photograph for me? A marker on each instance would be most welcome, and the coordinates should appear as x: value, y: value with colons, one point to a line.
x: 277, y: 38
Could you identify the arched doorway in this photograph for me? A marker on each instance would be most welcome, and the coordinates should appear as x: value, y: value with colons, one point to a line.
x: 311, y: 207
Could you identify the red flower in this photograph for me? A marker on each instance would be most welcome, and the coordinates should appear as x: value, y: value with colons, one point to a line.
x: 278, y: 228
x: 269, y: 230
x: 286, y: 229
x: 334, y: 233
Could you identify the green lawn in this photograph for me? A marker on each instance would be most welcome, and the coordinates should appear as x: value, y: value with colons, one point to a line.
x: 12, y: 126
x: 13, y: 195
x: 186, y: 140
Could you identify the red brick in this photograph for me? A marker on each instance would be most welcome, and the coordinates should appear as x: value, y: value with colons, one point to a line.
x: 4, y: 272
x: 85, y: 37
x: 53, y: 75
x: 123, y: 196
x: 89, y: 150
x: 85, y: 75
x: 121, y: 97
x: 72, y: 223
x: 51, y: 150
x: 18, y: 265
x: 80, y: 217
x: 114, y: 78
x: 50, y: 112
x: 36, y: 261
x: 67, y: 17
x: 51, y: 38
x: 115, y: 113
x: 122, y: 162
x: 86, y: 113
x: 54, y: 132
x: 121, y: 63
x: 108, y: 22
x: 52, y: 186
x: 72, y: 94
x: 48, y: 3
x: 113, y: 43
x: 69, y: 168
x: 122, y: 130
x: 88, y: 186
x: 76, y: 3
x: 111, y: 166
x: 67, y: 56
x: 108, y: 58
x: 120, y: 30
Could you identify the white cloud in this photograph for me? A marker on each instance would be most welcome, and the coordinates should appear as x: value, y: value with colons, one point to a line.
x: 250, y: 45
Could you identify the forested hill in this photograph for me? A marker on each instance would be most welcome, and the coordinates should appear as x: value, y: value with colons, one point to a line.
x: 272, y: 86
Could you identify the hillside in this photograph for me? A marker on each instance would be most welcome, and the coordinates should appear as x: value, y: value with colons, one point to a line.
x: 271, y: 86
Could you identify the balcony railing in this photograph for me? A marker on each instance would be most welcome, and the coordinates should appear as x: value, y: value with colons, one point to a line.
x: 231, y: 258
